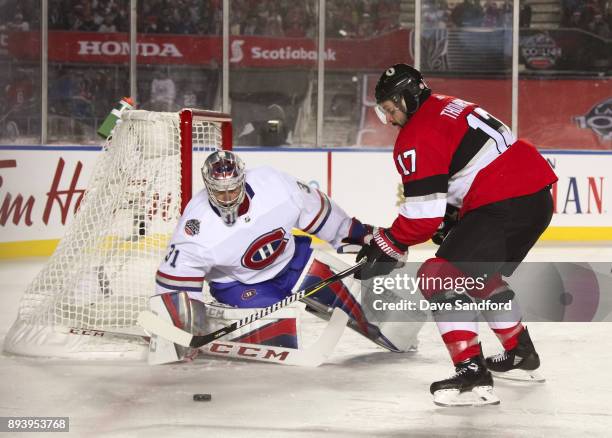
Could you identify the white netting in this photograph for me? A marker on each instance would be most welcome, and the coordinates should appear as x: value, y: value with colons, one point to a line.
x: 103, y: 270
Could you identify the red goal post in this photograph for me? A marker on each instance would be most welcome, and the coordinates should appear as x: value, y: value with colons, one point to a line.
x: 189, y: 118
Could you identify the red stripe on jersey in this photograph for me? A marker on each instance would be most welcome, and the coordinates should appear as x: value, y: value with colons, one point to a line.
x: 173, y: 277
x: 414, y: 231
x: 316, y: 218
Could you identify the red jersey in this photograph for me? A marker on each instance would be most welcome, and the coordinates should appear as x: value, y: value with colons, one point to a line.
x: 452, y: 151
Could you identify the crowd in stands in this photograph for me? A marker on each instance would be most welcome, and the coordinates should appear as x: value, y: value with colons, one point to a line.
x: 437, y: 14
x: 594, y: 16
x: 286, y: 18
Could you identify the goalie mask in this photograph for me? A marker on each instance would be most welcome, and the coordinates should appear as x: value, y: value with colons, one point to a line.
x: 223, y: 174
x: 403, y: 86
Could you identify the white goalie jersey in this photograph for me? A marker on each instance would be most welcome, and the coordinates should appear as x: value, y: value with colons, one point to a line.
x: 259, y: 245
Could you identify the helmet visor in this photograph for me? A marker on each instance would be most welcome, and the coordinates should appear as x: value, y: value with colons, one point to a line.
x: 381, y: 113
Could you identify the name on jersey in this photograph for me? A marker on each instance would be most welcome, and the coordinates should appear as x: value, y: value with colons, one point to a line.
x: 454, y: 108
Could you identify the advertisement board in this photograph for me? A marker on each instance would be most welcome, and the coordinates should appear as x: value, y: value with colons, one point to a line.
x: 40, y: 190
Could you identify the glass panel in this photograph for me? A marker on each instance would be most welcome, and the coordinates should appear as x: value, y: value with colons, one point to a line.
x: 20, y: 72
x: 363, y: 38
x: 88, y: 67
x: 179, y: 63
x: 466, y: 52
x: 273, y: 71
x: 565, y: 97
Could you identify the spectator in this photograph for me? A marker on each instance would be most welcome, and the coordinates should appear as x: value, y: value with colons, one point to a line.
x: 575, y: 20
x: 491, y: 14
x: 88, y: 24
x: 599, y: 27
x: 525, y: 15
x: 163, y: 93
x: 18, y: 24
x: 108, y: 25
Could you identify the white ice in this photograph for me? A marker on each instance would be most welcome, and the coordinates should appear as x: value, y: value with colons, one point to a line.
x: 362, y: 392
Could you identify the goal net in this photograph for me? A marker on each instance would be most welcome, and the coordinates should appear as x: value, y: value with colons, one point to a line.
x: 85, y: 301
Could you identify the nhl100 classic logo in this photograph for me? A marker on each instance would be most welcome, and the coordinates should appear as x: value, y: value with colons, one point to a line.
x: 192, y: 227
x: 540, y: 51
x: 599, y: 119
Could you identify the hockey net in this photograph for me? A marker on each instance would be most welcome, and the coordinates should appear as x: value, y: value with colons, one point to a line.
x: 85, y: 301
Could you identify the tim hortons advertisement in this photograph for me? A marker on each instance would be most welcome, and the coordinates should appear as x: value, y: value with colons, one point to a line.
x: 40, y: 191
x: 245, y: 51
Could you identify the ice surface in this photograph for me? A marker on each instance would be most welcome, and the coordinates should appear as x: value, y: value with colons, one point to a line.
x: 363, y: 392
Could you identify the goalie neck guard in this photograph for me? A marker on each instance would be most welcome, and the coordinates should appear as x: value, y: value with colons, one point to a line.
x: 223, y: 174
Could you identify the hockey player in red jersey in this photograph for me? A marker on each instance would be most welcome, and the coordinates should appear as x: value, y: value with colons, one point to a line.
x: 484, y: 197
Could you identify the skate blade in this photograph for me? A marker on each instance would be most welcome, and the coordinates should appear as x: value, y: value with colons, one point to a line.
x: 520, y: 375
x: 479, y: 396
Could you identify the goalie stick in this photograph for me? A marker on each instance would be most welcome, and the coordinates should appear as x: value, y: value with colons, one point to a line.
x: 313, y: 356
x: 154, y: 324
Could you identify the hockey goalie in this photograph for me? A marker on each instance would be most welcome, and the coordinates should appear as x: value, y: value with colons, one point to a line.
x: 236, y: 235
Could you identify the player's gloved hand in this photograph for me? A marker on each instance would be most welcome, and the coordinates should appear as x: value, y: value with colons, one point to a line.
x: 382, y: 255
x: 451, y: 217
x: 359, y: 235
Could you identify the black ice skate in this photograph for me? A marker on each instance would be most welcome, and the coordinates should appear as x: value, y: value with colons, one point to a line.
x: 472, y: 385
x: 520, y: 363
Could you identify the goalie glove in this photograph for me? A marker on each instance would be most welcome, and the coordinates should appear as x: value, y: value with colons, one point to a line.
x: 382, y: 255
x: 359, y: 234
x: 451, y: 217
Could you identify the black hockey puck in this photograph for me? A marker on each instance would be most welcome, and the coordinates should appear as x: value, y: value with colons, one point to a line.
x: 202, y: 397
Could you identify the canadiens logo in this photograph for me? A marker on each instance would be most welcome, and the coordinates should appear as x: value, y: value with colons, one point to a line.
x: 599, y: 119
x: 540, y: 51
x: 265, y: 250
x: 248, y: 294
x: 192, y: 227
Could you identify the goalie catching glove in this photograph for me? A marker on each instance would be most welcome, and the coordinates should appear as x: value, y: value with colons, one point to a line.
x: 382, y: 255
x: 359, y: 235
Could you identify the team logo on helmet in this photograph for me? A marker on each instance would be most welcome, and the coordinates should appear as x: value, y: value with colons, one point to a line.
x: 192, y: 227
x: 599, y: 119
x: 265, y: 250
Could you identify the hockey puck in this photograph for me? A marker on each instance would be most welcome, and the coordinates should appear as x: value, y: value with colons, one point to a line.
x: 202, y: 397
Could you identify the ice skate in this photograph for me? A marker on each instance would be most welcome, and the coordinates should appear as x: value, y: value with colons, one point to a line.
x: 472, y: 385
x: 520, y: 363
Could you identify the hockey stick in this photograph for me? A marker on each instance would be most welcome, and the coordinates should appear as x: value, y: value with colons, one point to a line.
x: 312, y: 356
x: 154, y: 324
